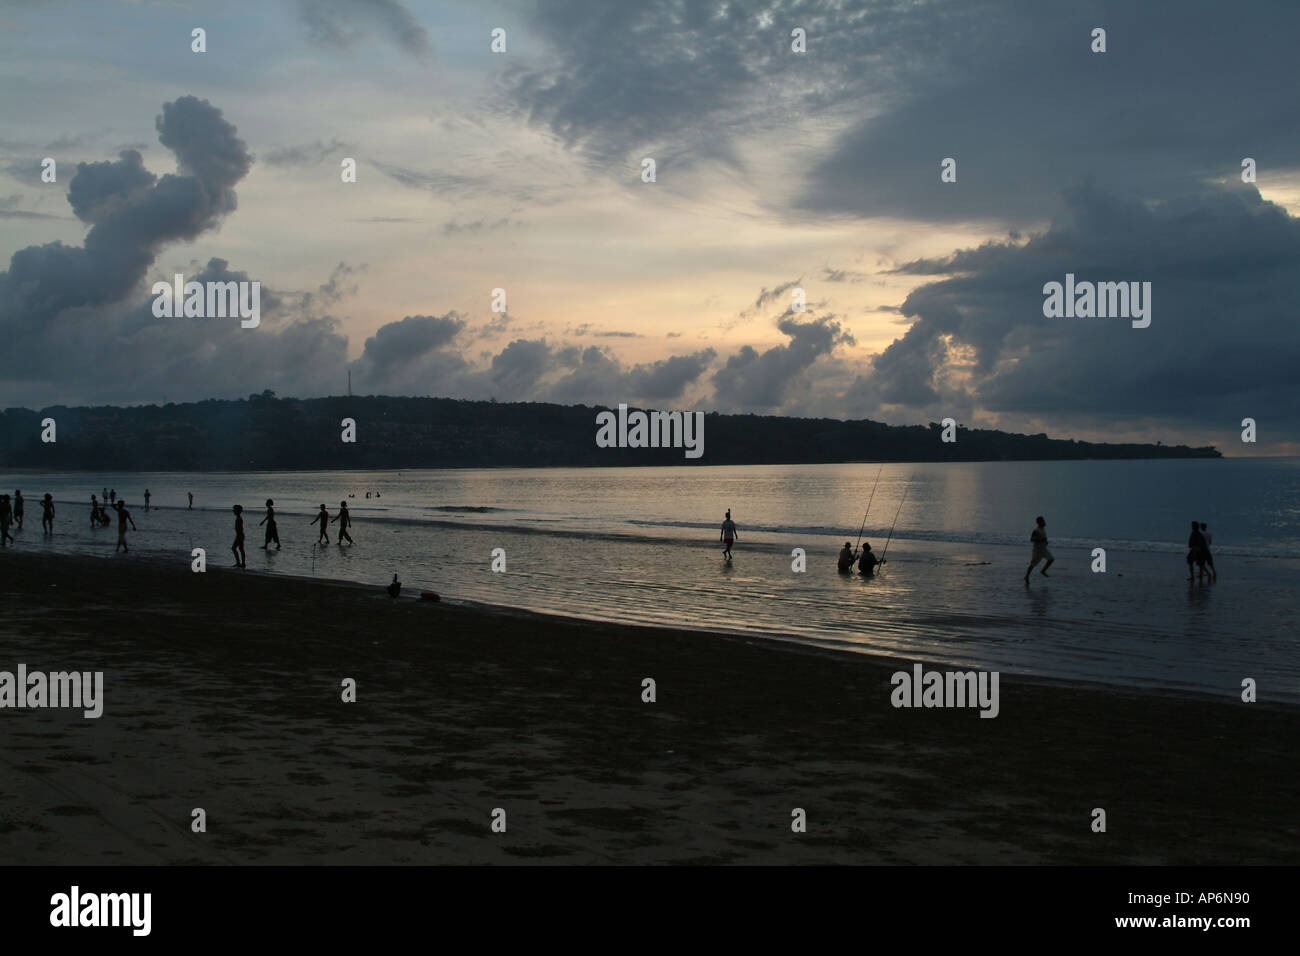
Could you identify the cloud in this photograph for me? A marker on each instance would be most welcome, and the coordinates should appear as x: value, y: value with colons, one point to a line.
x: 751, y: 380
x: 132, y: 214
x: 341, y: 23
x: 304, y: 154
x: 1015, y: 95
x: 1222, y: 343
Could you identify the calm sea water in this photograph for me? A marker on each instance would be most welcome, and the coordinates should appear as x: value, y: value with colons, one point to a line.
x: 640, y: 545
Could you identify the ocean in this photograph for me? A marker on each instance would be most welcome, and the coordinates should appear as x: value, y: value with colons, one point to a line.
x: 640, y: 545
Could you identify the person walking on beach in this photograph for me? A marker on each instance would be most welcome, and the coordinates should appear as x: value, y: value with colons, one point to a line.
x: 1209, y: 554
x: 868, y: 562
x: 272, y: 534
x: 344, y: 520
x: 728, y: 535
x: 123, y: 518
x: 324, y: 519
x: 846, y: 559
x: 241, y: 559
x: 191, y: 494
x: 18, y: 509
x: 1039, y: 538
x: 6, y: 517
x: 1196, y: 551
x: 47, y: 516
x: 147, y: 496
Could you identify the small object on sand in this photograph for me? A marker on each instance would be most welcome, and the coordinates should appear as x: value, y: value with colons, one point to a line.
x: 429, y: 596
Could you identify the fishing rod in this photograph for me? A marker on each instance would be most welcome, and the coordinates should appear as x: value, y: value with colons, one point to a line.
x: 906, y: 489
x: 869, y: 500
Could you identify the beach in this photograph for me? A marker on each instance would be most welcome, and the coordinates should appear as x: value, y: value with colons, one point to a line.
x: 223, y: 691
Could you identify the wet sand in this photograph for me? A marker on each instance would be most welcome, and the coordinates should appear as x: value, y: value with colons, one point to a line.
x: 223, y: 691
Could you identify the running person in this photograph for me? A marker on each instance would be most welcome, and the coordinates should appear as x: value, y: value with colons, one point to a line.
x: 728, y: 535
x: 1039, y: 538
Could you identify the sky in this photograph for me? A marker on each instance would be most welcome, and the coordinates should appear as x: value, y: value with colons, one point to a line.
x: 798, y: 251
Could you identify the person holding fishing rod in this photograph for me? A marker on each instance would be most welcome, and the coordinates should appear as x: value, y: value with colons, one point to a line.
x: 850, y: 555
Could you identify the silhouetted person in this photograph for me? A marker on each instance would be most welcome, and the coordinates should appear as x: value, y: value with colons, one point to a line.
x: 1196, y: 550
x: 6, y: 518
x: 343, y: 519
x: 147, y: 496
x: 104, y: 495
x: 241, y: 559
x: 47, y: 513
x: 94, y: 512
x: 1205, y: 533
x: 846, y: 559
x: 395, y: 588
x: 272, y: 533
x: 112, y: 496
x: 1039, y: 538
x: 868, y: 561
x: 123, y: 518
x: 324, y: 518
x: 18, y: 509
x: 191, y: 494
x: 728, y: 535
x: 104, y: 519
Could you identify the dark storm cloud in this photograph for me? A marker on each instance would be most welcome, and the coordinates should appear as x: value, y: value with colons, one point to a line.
x: 341, y: 23
x: 753, y: 380
x: 693, y: 74
x: 1223, y: 343
x: 133, y: 215
x: 1013, y: 93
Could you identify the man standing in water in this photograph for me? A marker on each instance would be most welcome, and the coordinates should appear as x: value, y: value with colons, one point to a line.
x: 123, y: 516
x: 191, y: 494
x: 868, y: 562
x: 344, y: 520
x: 728, y: 535
x: 147, y: 496
x: 47, y: 517
x: 6, y: 516
x: 1039, y: 538
x: 1205, y: 533
x: 241, y: 559
x: 846, y: 559
x: 18, y: 509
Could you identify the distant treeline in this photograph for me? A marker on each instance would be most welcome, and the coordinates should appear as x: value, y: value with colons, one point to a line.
x: 269, y: 433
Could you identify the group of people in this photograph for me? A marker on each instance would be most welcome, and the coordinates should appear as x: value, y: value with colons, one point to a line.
x: 1198, y: 551
x: 865, y: 559
x: 11, y: 514
x: 343, y: 519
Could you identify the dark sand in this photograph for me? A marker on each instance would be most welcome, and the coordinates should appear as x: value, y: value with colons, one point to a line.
x: 223, y: 692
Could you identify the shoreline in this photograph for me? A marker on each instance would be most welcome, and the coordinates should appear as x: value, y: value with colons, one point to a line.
x: 222, y: 692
